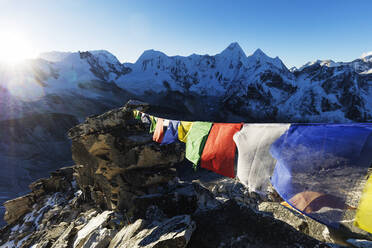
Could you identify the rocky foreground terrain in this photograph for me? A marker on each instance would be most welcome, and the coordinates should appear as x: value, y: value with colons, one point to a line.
x: 127, y: 191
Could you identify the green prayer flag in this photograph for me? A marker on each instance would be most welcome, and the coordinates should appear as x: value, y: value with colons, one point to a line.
x: 137, y: 115
x: 196, y: 138
x: 153, y: 124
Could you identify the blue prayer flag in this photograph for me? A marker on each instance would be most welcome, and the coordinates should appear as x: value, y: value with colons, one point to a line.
x: 171, y: 134
x: 320, y: 168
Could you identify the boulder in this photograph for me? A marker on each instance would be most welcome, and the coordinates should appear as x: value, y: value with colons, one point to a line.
x: 88, y: 234
x: 173, y: 232
x: 126, y: 233
x: 63, y: 239
x: 304, y: 224
x: 299, y: 221
x: 99, y: 238
x: 17, y: 208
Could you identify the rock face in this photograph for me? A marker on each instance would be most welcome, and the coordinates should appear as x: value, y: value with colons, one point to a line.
x: 17, y: 208
x: 127, y: 191
x: 118, y: 160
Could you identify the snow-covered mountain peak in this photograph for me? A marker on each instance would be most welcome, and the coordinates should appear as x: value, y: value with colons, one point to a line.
x: 150, y: 59
x: 366, y: 54
x: 259, y: 57
x: 310, y: 63
x: 327, y: 63
x: 367, y: 58
x: 259, y: 54
x: 233, y: 56
x: 233, y: 50
x: 150, y: 54
x: 105, y: 55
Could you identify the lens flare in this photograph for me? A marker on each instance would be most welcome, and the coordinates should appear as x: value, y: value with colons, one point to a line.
x: 14, y: 46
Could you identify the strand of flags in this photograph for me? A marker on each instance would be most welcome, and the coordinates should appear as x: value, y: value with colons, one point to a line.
x: 321, y: 170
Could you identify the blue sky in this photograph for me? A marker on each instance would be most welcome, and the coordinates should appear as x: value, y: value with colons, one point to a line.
x: 296, y: 31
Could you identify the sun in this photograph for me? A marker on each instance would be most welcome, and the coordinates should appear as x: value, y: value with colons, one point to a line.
x: 14, y: 46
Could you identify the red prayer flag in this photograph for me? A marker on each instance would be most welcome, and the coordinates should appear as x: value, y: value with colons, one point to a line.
x: 219, y: 151
x: 159, y: 131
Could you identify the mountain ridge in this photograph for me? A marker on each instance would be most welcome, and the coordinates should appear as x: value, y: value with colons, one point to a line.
x: 257, y: 86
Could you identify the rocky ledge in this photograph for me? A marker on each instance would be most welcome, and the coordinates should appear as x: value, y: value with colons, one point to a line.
x: 127, y: 191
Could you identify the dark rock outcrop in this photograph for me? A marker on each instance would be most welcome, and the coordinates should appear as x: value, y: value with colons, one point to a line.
x: 118, y: 160
x: 239, y: 226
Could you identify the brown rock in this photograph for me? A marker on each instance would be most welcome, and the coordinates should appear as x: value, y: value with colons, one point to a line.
x: 118, y: 159
x: 17, y: 207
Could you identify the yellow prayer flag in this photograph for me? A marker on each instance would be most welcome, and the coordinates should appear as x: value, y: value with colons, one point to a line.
x: 183, y: 130
x: 363, y: 218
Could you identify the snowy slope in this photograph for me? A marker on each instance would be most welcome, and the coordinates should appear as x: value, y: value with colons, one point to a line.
x: 43, y: 86
x: 201, y: 74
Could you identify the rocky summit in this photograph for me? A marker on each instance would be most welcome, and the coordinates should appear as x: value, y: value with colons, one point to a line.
x: 127, y: 191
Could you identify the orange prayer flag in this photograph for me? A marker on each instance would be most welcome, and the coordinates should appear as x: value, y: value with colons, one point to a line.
x: 219, y: 151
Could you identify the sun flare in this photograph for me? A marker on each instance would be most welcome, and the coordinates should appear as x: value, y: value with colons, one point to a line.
x: 14, y: 46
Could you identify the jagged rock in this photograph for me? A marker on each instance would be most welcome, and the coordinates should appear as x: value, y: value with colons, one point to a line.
x: 108, y: 120
x: 173, y: 232
x: 300, y: 222
x: 313, y: 228
x: 59, y: 181
x: 96, y: 223
x: 179, y: 200
x: 45, y: 223
x: 63, y: 240
x: 18, y: 207
x: 118, y: 160
x: 234, y: 225
x: 99, y: 238
x: 126, y: 233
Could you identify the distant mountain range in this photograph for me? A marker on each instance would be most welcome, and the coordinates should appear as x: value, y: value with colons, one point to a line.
x: 226, y: 86
x: 41, y: 98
